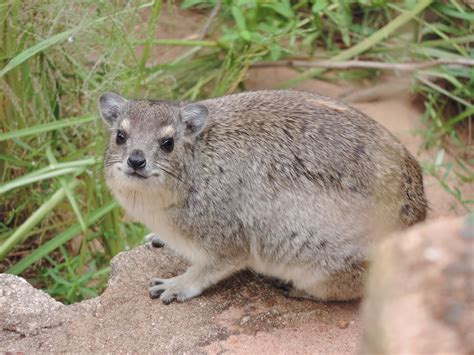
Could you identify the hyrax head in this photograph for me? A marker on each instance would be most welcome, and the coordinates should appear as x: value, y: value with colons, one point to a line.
x: 146, y: 137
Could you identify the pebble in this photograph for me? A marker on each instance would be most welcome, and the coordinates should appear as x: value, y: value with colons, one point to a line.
x: 244, y: 320
x: 343, y: 324
x: 432, y: 254
x: 275, y: 312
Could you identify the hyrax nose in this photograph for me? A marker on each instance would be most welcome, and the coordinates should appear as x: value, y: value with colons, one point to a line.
x: 136, y: 160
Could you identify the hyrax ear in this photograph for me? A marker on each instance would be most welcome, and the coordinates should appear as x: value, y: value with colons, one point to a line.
x: 194, y: 119
x: 111, y: 106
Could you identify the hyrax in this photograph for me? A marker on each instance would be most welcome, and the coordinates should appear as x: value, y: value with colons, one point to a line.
x: 290, y: 184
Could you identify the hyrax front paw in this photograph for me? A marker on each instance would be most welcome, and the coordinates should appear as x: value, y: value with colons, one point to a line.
x: 172, y: 289
x: 154, y: 240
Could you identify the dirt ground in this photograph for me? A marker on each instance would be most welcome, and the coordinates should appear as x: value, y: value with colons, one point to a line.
x: 244, y: 314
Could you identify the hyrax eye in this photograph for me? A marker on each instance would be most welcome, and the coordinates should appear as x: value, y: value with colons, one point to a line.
x: 121, y: 138
x: 167, y: 145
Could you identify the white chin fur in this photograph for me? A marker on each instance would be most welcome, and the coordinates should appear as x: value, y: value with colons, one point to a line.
x: 145, y: 202
x: 132, y: 193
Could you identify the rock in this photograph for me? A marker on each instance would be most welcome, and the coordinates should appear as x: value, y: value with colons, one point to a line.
x: 125, y: 319
x: 24, y: 310
x: 420, y: 297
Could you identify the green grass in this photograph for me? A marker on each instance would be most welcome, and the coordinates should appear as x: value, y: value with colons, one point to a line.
x: 59, y: 227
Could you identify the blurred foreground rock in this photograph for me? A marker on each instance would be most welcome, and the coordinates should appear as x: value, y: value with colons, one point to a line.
x: 420, y: 297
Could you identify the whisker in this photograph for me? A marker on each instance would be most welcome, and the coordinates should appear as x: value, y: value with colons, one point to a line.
x: 171, y: 173
x: 108, y: 164
x: 111, y: 162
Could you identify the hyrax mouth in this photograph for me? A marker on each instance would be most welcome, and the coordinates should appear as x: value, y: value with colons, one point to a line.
x: 136, y: 175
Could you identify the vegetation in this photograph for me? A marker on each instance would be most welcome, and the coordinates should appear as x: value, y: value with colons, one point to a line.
x: 59, y: 227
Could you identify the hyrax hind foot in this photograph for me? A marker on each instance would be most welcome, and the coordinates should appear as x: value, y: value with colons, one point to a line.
x: 288, y: 290
x: 341, y: 286
x: 190, y: 284
x: 325, y: 293
x: 294, y: 293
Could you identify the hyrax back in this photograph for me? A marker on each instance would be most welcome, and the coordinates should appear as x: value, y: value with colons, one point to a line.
x: 291, y: 184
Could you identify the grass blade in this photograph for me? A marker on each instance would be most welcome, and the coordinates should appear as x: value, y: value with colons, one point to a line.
x: 40, y: 174
x: 47, y: 127
x: 155, y: 12
x: 34, y: 219
x: 30, y: 52
x: 444, y: 91
x: 461, y: 116
x: 31, y: 178
x: 178, y: 42
x: 69, y: 194
x: 70, y: 164
x: 59, y: 240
